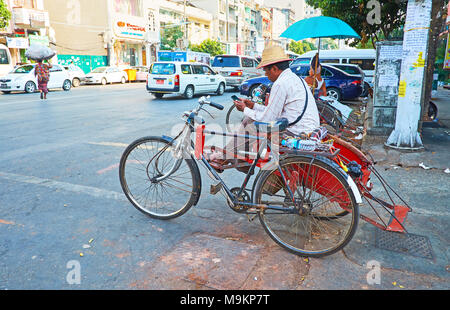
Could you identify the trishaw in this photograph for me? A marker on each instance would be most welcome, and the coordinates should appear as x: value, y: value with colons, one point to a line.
x: 307, y: 201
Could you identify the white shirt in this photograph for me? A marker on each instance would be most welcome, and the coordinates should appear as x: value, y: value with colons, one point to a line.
x: 287, y: 99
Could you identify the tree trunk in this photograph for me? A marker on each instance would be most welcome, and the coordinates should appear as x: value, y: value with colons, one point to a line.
x: 438, y: 11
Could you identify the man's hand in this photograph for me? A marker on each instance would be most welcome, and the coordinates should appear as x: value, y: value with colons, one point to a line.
x: 240, y: 105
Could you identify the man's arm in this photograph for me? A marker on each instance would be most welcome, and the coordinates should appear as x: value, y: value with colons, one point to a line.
x: 273, y: 109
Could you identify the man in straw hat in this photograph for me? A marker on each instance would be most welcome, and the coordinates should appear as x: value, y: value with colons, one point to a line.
x: 288, y: 98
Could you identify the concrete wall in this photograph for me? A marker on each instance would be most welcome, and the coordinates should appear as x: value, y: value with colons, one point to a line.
x: 78, y: 26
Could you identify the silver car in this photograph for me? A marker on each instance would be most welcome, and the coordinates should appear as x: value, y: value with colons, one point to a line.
x: 236, y: 69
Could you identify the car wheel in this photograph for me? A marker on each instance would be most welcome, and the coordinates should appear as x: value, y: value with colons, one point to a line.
x: 104, y: 81
x: 30, y: 87
x: 123, y: 80
x: 220, y: 89
x: 334, y: 93
x: 158, y: 95
x: 67, y: 85
x: 76, y: 82
x: 189, y: 92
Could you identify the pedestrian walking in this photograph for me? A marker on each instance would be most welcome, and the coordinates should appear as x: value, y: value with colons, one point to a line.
x: 42, y: 73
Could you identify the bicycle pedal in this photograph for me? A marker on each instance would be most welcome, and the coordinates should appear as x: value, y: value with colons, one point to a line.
x: 214, y: 189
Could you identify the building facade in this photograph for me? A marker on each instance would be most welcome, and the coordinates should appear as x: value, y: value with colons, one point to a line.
x: 29, y: 24
x: 105, y: 32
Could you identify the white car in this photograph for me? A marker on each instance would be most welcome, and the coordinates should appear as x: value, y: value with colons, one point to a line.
x: 104, y: 75
x: 183, y: 78
x: 22, y: 79
x: 77, y: 75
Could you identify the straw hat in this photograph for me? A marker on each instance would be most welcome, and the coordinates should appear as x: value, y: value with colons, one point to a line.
x: 272, y: 54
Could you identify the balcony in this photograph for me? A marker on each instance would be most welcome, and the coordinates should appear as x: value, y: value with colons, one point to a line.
x: 30, y: 18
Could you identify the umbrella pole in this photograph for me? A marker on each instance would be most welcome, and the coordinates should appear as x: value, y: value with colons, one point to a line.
x: 315, y: 69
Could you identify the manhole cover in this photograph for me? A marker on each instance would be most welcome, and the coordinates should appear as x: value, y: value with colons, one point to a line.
x: 410, y: 244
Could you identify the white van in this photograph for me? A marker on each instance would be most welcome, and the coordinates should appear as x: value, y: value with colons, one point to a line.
x: 6, y: 65
x: 183, y: 78
x: 364, y: 58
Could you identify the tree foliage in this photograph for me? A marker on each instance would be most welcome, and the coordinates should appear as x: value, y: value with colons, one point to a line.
x: 5, y: 15
x: 301, y: 47
x: 209, y: 46
x: 363, y: 17
x: 169, y: 36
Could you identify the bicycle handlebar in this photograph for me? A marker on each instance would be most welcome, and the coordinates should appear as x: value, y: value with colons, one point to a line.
x: 203, y: 100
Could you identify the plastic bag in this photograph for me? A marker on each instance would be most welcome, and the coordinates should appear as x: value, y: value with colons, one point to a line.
x: 39, y: 52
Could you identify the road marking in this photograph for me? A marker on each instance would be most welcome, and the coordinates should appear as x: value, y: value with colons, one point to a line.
x: 112, y: 167
x: 75, y: 188
x: 109, y: 144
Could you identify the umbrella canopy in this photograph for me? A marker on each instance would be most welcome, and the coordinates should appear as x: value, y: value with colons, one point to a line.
x: 319, y: 27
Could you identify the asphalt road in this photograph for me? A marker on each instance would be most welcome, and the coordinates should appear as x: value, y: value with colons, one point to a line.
x: 61, y: 199
x: 65, y: 223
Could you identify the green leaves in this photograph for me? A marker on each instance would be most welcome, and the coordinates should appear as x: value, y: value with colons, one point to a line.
x: 209, y: 46
x: 5, y: 15
x: 371, y: 19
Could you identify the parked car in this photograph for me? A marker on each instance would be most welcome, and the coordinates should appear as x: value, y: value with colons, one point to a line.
x: 236, y: 69
x: 141, y: 73
x: 77, y: 75
x: 340, y: 85
x: 354, y: 70
x: 183, y: 78
x: 104, y: 75
x: 22, y: 79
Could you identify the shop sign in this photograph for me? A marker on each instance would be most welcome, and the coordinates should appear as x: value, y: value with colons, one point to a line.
x: 17, y: 42
x: 35, y: 39
x: 447, y: 54
x: 129, y: 29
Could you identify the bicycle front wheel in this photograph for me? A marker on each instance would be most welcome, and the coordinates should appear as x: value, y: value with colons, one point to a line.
x: 233, y: 119
x: 323, y: 216
x: 142, y: 166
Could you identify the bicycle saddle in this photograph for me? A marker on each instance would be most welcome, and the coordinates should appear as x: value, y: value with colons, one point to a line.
x: 276, y: 126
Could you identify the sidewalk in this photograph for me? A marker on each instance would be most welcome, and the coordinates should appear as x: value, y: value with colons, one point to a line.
x: 422, y: 180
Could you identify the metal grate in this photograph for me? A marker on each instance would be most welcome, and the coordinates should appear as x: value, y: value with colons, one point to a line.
x: 410, y: 244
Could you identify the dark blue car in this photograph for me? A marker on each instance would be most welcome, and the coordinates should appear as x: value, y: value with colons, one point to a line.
x: 340, y: 85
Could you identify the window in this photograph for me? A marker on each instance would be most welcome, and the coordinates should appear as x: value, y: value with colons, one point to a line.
x: 226, y: 61
x: 301, y: 70
x: 301, y: 61
x: 4, y: 57
x: 197, y: 70
x: 331, y: 61
x: 186, y: 69
x: 28, y: 4
x: 162, y: 68
x: 326, y: 73
x: 365, y: 64
x: 349, y: 69
x: 24, y: 69
x: 246, y: 62
x: 128, y: 7
x: 55, y: 68
x: 207, y: 71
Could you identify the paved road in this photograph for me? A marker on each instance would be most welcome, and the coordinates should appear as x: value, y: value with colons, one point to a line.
x: 62, y: 210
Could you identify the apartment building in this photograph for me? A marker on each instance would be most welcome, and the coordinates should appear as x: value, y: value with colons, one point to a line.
x: 29, y: 24
x: 101, y: 32
x: 195, y: 21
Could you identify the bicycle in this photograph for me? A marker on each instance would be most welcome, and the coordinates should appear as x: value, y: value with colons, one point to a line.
x: 305, y: 202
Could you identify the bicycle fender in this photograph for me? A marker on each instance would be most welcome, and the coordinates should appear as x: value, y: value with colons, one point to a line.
x: 196, y: 171
x: 354, y: 189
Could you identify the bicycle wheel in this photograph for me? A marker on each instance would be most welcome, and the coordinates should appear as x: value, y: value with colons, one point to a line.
x: 233, y: 119
x: 330, y: 215
x: 329, y: 118
x: 148, y: 158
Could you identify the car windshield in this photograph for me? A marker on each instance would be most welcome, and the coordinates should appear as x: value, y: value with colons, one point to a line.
x: 163, y: 68
x: 226, y: 61
x: 99, y: 70
x: 3, y: 57
x: 24, y: 69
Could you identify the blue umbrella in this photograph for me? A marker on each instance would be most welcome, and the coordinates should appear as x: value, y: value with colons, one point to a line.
x: 319, y: 27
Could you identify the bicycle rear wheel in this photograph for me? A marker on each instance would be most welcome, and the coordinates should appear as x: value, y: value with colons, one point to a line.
x: 142, y: 163
x: 329, y: 118
x: 330, y: 215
